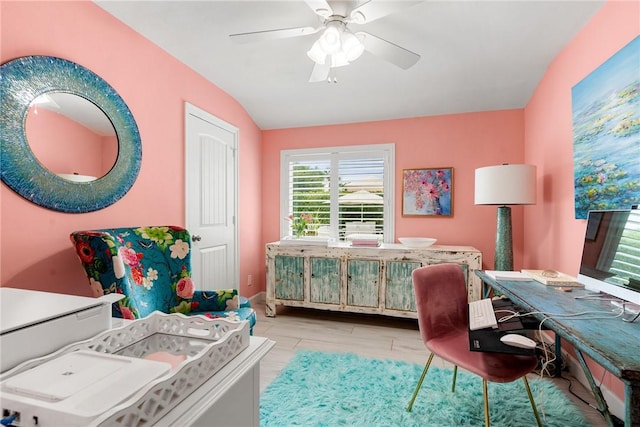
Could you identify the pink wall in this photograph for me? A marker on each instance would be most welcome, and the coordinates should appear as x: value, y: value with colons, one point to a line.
x: 35, y: 249
x: 462, y: 141
x: 553, y: 237
x: 63, y: 145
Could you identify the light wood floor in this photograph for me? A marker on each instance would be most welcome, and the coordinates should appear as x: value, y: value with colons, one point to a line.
x: 378, y: 337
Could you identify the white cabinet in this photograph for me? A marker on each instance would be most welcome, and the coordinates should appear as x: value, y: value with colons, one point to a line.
x: 357, y: 279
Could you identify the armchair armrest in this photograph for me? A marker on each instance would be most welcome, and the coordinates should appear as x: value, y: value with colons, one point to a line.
x: 218, y: 300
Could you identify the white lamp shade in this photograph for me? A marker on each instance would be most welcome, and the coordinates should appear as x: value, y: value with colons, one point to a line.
x: 506, y: 185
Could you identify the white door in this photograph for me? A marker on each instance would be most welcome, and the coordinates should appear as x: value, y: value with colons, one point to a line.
x: 211, y: 199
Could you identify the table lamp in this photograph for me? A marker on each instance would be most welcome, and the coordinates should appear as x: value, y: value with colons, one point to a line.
x: 505, y: 185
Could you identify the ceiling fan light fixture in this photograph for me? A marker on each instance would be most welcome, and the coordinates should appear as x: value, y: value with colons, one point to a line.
x: 330, y: 40
x: 317, y: 54
x: 351, y: 46
x: 339, y: 59
x: 336, y: 47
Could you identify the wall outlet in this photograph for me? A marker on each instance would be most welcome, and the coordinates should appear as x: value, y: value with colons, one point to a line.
x: 250, y: 280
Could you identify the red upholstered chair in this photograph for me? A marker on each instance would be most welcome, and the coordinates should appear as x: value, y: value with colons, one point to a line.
x: 441, y: 302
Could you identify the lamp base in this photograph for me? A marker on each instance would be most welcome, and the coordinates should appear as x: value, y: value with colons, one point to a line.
x: 504, y: 242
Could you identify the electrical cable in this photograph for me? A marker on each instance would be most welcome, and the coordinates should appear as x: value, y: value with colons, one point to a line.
x: 552, y: 315
x: 570, y: 389
x: 598, y: 297
x: 586, y: 402
x: 509, y: 317
x: 632, y: 320
x: 550, y: 348
x: 7, y: 421
x: 503, y: 310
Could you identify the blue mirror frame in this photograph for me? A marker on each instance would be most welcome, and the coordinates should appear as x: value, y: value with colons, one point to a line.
x: 24, y: 79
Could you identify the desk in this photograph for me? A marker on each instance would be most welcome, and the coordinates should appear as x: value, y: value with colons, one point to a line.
x: 612, y: 343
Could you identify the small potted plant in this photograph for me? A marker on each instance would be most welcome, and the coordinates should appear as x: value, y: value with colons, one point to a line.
x: 301, y: 225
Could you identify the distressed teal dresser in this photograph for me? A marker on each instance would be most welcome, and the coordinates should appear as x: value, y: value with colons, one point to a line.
x: 357, y: 279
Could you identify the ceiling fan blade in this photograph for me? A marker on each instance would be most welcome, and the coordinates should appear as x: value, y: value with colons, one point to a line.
x: 320, y: 73
x: 258, y: 36
x: 393, y: 53
x: 372, y: 10
x: 320, y: 7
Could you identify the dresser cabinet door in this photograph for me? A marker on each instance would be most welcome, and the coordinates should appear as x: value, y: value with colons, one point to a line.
x: 363, y: 283
x: 289, y: 272
x: 399, y: 293
x: 324, y: 283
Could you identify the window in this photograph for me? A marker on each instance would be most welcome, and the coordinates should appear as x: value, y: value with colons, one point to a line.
x: 626, y: 260
x: 344, y: 192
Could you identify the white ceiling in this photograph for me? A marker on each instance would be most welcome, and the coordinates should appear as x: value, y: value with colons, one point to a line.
x: 475, y: 56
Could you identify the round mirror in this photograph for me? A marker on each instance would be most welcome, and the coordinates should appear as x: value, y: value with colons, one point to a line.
x: 59, y: 122
x: 31, y: 166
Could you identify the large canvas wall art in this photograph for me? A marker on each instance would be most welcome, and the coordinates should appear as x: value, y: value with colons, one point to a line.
x: 606, y: 134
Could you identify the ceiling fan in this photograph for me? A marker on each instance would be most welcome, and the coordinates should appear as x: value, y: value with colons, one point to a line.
x: 337, y: 46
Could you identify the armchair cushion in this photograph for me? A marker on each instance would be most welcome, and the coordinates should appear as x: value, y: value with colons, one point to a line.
x: 151, y: 267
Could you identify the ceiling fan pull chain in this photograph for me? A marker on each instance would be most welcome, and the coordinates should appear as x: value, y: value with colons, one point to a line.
x: 332, y: 78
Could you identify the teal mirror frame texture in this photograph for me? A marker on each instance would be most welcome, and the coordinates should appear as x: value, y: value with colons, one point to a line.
x: 24, y: 79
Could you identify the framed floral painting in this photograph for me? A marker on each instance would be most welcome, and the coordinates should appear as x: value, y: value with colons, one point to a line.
x: 427, y: 192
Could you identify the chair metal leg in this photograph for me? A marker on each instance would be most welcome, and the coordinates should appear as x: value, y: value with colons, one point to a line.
x: 486, y: 403
x: 455, y: 375
x: 533, y: 404
x: 424, y: 373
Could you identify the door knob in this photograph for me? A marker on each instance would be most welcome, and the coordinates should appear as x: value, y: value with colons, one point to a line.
x: 196, y: 238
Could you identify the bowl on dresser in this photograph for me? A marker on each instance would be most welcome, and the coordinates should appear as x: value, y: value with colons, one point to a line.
x: 417, y: 242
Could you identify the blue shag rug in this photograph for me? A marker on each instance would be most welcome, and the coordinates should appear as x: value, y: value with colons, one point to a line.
x: 335, y: 389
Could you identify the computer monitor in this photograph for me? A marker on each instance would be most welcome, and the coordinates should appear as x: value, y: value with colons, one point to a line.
x: 611, y: 253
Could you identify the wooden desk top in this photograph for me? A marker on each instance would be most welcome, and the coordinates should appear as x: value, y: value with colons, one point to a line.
x: 611, y: 342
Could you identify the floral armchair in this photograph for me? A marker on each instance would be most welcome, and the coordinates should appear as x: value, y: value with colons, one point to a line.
x: 151, y: 267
